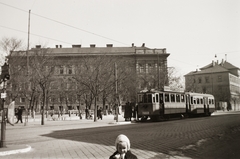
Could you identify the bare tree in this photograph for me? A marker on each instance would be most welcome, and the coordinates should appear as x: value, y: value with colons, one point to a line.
x: 175, y: 81
x: 94, y: 76
x: 42, y: 67
x: 8, y: 45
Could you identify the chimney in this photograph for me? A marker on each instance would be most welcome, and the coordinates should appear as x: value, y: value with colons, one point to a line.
x: 213, y: 63
x: 60, y: 46
x: 76, y: 46
x: 109, y: 45
x: 38, y: 46
x: 56, y: 46
x: 92, y: 45
x: 132, y: 44
x: 222, y: 63
x: 143, y: 45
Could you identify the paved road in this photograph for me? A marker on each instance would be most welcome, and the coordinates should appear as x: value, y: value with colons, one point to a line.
x: 207, y: 137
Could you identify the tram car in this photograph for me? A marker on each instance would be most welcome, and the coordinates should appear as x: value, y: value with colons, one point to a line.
x: 158, y: 105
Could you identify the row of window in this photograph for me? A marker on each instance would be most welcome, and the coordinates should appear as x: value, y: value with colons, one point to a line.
x: 155, y: 98
x: 198, y: 100
x: 169, y: 97
x: 207, y: 79
x: 57, y: 70
x: 149, y: 67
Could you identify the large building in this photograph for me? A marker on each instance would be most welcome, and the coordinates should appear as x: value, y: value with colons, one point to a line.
x: 221, y: 79
x: 149, y: 66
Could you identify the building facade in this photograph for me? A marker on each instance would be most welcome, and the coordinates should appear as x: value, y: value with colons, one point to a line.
x: 220, y: 79
x: 149, y: 66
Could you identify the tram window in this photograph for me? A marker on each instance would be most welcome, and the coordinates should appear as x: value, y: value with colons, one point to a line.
x: 178, y: 98
x: 140, y: 98
x: 182, y: 98
x: 173, y: 98
x: 153, y: 99
x: 157, y: 98
x: 191, y: 100
x: 149, y: 98
x: 161, y: 98
x: 198, y: 101
x: 194, y: 100
x: 201, y: 101
x: 166, y: 97
x: 145, y: 98
x: 212, y: 101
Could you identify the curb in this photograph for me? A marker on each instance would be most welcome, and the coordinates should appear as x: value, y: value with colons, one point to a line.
x: 14, y: 149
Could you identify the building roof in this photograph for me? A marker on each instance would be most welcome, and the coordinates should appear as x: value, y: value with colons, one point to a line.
x: 93, y: 50
x: 214, y: 67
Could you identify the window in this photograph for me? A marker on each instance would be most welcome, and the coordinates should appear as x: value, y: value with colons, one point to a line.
x: 182, y: 98
x: 150, y: 68
x: 149, y: 98
x: 141, y: 68
x: 209, y: 101
x: 198, y: 101
x: 199, y: 80
x: 70, y: 70
x: 140, y: 98
x: 173, y: 98
x: 207, y: 79
x: 201, y: 101
x: 157, y: 98
x: 166, y: 97
x: 178, y: 98
x: 191, y: 100
x: 61, y: 70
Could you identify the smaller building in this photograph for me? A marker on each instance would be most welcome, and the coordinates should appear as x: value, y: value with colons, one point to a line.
x: 219, y: 79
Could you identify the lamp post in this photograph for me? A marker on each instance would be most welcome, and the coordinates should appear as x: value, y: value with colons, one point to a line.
x: 4, y: 77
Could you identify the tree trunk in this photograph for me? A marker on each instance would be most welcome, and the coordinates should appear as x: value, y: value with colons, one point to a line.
x: 95, y: 109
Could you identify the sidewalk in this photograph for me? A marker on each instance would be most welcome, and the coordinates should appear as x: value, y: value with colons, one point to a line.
x: 65, y: 120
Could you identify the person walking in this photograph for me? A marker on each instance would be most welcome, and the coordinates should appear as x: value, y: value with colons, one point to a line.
x: 19, y: 115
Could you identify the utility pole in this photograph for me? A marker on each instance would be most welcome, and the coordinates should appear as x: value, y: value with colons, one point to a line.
x: 26, y: 118
x: 4, y: 77
x: 158, y: 71
x: 116, y: 91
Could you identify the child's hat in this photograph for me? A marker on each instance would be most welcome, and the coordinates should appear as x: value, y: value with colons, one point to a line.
x: 122, y: 138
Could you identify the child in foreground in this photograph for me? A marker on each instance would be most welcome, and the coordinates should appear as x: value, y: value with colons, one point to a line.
x: 122, y: 144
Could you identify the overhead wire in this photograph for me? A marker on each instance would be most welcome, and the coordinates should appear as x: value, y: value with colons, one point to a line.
x: 56, y: 21
x: 34, y: 34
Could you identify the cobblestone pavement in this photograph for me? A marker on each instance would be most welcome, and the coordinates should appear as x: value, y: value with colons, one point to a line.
x: 206, y: 137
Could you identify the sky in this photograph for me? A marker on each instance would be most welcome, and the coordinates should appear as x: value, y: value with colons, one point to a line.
x: 192, y: 31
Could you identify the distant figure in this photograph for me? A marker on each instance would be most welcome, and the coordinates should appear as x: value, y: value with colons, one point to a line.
x: 122, y: 144
x: 99, y: 113
x: 19, y: 115
x: 87, y: 113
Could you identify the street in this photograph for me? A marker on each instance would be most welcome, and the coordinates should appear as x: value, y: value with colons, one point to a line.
x: 205, y: 137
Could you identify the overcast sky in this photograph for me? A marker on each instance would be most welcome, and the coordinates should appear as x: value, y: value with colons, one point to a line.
x: 192, y: 31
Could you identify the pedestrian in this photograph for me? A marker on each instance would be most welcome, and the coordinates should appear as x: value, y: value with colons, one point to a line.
x: 99, y: 112
x: 19, y: 115
x: 122, y: 144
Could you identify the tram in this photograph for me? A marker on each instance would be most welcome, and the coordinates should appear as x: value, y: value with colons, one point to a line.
x: 158, y: 105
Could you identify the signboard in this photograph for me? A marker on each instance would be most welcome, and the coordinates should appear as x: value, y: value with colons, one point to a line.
x: 11, y: 113
x: 3, y: 95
